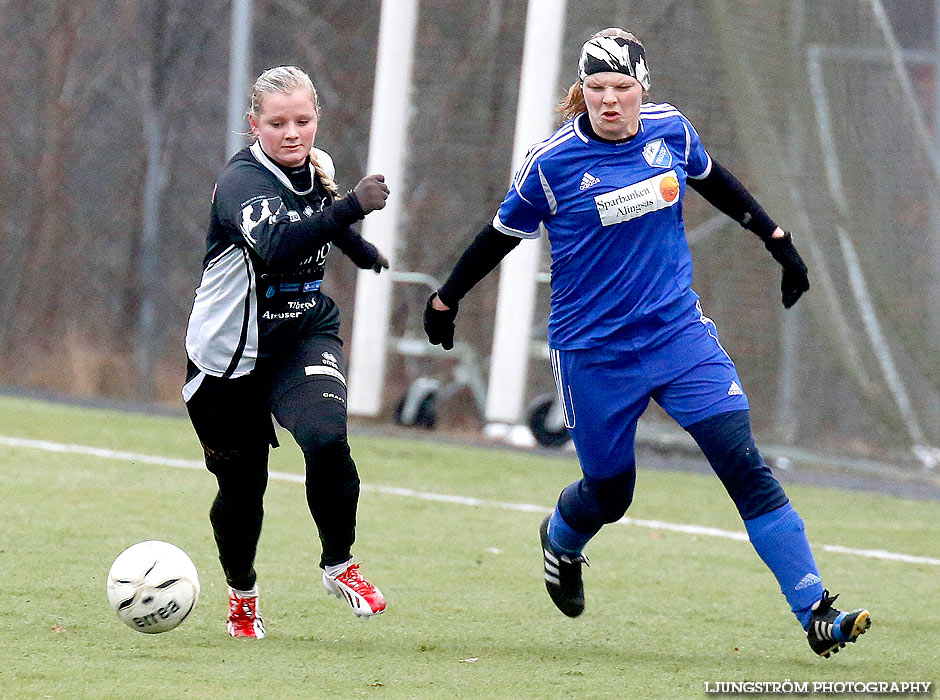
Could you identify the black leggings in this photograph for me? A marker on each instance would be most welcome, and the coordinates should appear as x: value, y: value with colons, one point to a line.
x: 306, y: 393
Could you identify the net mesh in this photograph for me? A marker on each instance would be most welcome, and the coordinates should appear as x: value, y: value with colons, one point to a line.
x: 825, y: 110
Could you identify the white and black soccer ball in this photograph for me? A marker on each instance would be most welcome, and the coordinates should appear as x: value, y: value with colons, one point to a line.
x: 153, y: 586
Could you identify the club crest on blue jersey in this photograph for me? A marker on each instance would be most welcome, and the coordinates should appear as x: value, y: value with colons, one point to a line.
x: 657, y: 155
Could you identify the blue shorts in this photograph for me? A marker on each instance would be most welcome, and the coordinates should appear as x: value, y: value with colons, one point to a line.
x: 679, y: 364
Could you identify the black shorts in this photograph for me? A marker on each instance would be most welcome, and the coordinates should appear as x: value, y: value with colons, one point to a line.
x: 236, y: 412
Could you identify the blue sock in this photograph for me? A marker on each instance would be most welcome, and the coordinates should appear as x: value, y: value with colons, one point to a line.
x: 780, y: 540
x: 563, y: 537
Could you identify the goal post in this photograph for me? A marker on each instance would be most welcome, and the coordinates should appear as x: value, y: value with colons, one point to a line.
x: 541, y: 56
x: 387, y: 143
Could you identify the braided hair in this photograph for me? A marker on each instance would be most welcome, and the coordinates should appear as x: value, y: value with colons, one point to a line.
x: 325, y: 179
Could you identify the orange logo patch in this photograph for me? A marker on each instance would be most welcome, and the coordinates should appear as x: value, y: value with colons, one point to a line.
x: 669, y: 188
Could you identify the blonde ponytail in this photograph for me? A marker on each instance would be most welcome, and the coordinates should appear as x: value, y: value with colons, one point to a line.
x: 572, y: 104
x: 325, y: 179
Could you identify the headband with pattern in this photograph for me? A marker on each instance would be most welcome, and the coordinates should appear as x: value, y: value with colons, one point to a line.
x: 615, y: 54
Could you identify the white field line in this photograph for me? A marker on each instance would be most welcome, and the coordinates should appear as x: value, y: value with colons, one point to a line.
x: 696, y: 530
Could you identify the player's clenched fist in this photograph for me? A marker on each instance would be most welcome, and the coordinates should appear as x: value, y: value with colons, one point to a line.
x: 371, y: 191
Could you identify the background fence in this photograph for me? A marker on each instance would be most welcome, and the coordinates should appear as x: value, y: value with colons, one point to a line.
x: 115, y: 128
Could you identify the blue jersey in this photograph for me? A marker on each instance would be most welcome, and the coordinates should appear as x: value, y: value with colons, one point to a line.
x: 613, y: 212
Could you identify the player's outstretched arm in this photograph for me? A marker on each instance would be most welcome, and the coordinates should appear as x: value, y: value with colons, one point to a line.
x: 725, y: 192
x: 477, y: 261
x: 365, y: 255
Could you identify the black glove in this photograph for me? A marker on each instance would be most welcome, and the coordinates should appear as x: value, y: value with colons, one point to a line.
x: 381, y: 263
x: 795, y: 280
x: 439, y: 325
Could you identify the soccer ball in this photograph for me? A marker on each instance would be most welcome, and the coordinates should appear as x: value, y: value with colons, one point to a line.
x: 153, y: 586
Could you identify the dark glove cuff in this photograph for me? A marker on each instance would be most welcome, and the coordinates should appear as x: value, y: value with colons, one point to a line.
x: 780, y: 247
x: 445, y: 299
x: 784, y: 253
x: 784, y: 240
x: 349, y: 210
x: 452, y: 306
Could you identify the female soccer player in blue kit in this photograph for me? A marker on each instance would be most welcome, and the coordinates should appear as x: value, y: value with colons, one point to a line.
x: 625, y: 325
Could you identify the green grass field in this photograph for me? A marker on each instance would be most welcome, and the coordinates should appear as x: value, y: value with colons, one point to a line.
x: 468, y: 615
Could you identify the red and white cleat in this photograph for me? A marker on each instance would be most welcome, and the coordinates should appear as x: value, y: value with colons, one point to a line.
x: 365, y: 599
x: 244, y: 616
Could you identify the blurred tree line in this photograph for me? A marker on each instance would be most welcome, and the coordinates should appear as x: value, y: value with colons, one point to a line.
x: 117, y: 129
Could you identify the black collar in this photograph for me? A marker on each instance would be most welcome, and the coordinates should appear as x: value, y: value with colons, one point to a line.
x: 299, y: 175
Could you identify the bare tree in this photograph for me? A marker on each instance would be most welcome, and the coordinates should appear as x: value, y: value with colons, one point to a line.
x: 35, y: 239
x: 169, y: 52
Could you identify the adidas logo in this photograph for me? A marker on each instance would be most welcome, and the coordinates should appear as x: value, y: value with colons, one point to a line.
x: 735, y: 390
x: 551, y: 568
x: 588, y: 181
x: 810, y: 579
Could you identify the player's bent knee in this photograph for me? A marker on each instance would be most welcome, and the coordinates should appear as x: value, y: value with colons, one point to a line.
x: 318, y: 444
x: 235, y: 459
x: 756, y: 492
x: 728, y: 444
x: 591, y: 503
x: 332, y: 467
x: 613, y: 495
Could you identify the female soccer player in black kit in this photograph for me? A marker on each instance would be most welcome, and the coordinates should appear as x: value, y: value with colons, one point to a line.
x: 263, y: 339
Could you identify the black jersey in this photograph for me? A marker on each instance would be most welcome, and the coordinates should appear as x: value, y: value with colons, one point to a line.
x: 266, y: 247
